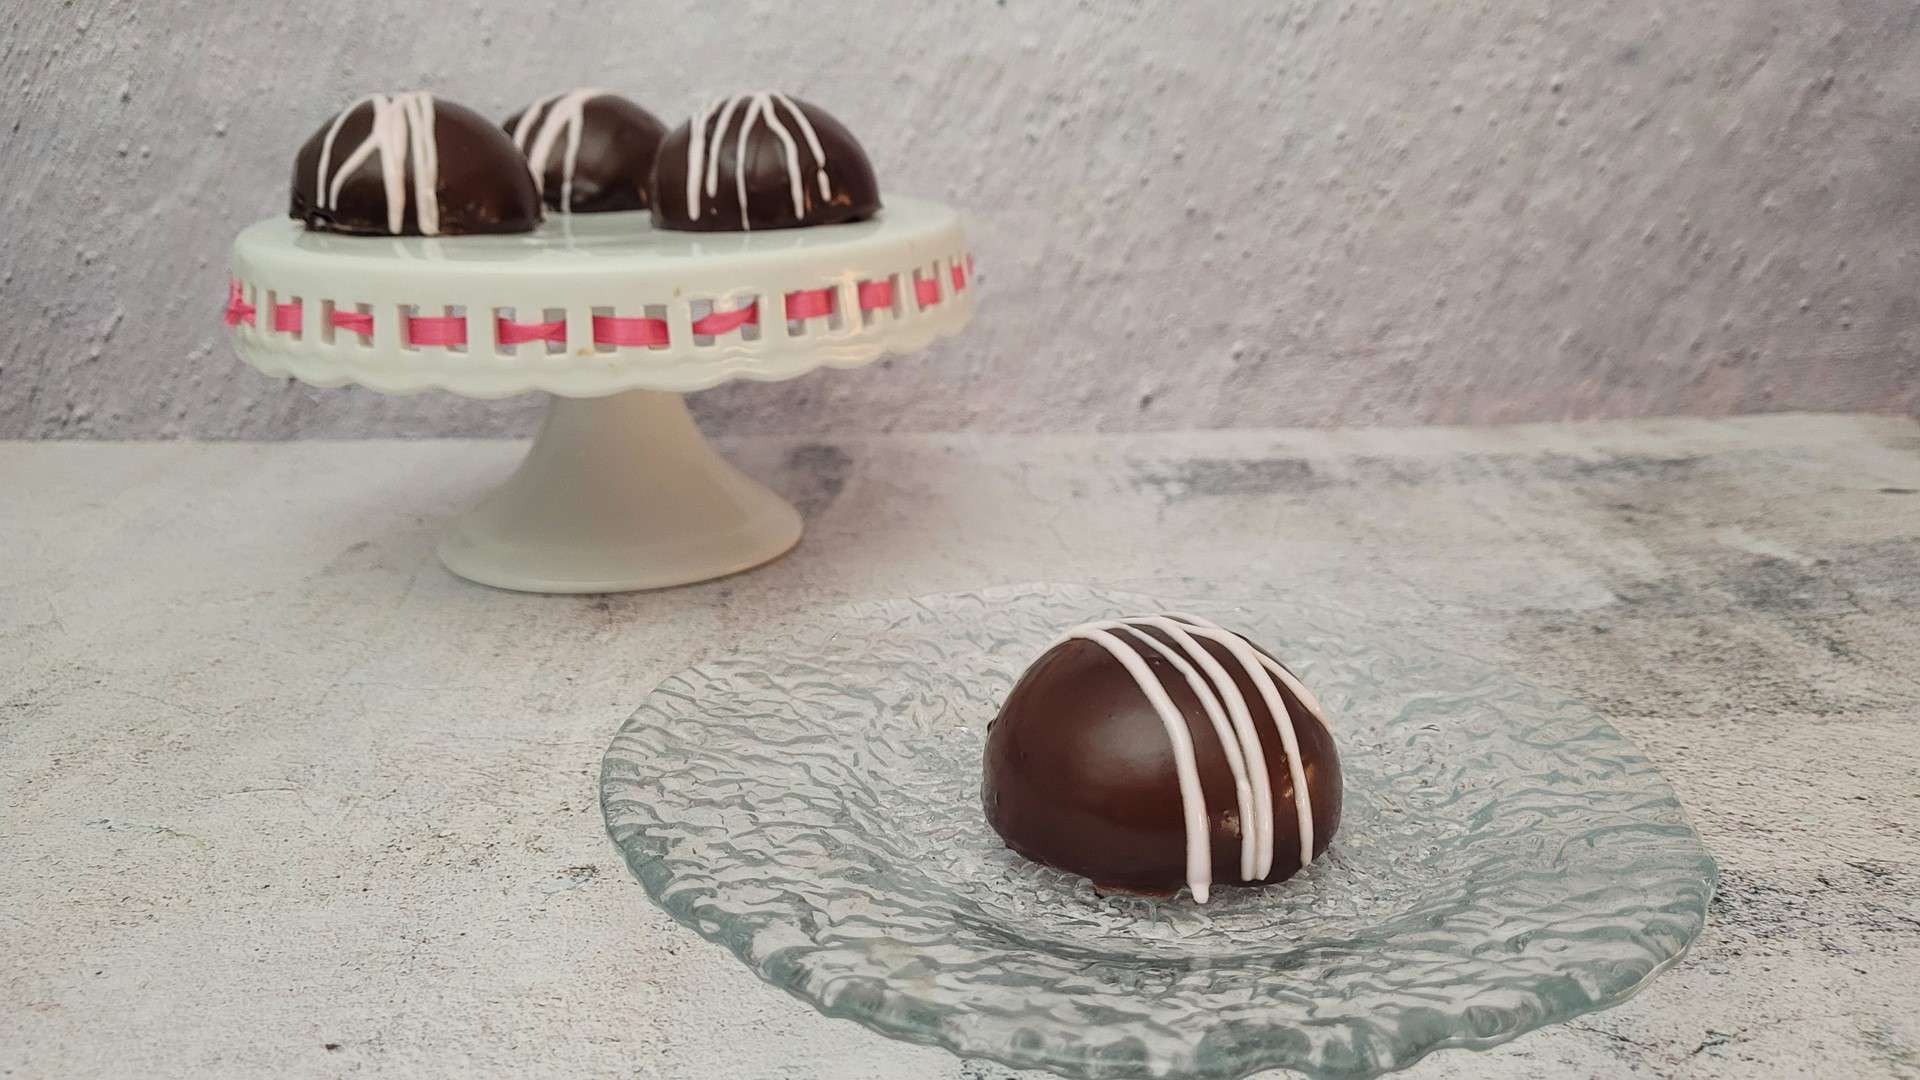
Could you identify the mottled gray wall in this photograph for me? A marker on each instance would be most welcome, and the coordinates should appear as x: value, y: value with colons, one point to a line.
x: 1188, y: 214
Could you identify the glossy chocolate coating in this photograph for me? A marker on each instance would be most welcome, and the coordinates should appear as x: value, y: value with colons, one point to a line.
x: 483, y: 185
x: 852, y: 192
x: 1080, y: 774
x: 618, y: 142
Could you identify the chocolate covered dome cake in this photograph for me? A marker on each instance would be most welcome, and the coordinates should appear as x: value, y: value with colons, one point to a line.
x: 590, y: 150
x: 761, y: 161
x: 1159, y: 751
x: 412, y: 165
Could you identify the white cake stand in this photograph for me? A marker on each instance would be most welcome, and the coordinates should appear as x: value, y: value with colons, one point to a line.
x: 617, y: 320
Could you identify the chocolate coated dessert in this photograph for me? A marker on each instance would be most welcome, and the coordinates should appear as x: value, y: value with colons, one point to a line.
x: 761, y: 161
x: 1153, y: 752
x: 590, y: 150
x: 412, y: 165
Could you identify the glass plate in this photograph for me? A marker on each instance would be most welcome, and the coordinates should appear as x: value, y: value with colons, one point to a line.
x: 1505, y: 859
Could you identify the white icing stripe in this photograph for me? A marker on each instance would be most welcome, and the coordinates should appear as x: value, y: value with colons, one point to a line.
x: 1260, y: 826
x: 529, y: 121
x: 403, y: 127
x: 740, y: 161
x: 1256, y: 822
x: 1279, y: 670
x: 326, y: 153
x: 793, y: 158
x: 719, y: 134
x: 570, y: 164
x: 1238, y: 739
x: 1229, y: 741
x: 1249, y: 658
x: 563, y: 116
x: 1193, y: 805
x: 813, y: 143
x: 704, y: 150
x: 368, y: 146
x: 426, y: 164
x: 696, y: 153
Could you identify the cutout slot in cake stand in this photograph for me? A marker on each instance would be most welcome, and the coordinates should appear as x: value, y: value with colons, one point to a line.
x: 615, y: 320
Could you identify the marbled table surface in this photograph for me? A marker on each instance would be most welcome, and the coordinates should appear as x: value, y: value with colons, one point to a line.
x: 278, y: 795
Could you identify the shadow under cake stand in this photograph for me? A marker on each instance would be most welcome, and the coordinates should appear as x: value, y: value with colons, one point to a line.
x: 616, y: 320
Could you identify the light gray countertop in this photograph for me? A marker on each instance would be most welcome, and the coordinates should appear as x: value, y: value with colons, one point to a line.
x: 280, y: 795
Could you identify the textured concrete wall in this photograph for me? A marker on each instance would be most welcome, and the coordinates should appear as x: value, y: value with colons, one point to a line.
x: 1188, y: 214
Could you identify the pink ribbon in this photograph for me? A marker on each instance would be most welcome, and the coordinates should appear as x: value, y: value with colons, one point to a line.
x: 238, y: 310
x: 437, y: 330
x: 359, y: 322
x: 722, y: 322
x: 446, y: 330
x: 876, y: 294
x: 810, y: 303
x: 519, y: 333
x: 618, y: 330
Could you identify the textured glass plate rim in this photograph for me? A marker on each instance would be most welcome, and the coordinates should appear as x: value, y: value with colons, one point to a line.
x: 875, y: 1008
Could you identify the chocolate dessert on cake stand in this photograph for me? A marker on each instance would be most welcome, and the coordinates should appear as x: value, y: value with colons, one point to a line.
x: 616, y: 320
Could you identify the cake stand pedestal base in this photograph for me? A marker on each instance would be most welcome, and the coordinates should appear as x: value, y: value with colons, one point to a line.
x: 619, y: 493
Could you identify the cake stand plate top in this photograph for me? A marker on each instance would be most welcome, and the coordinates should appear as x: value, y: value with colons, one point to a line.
x: 595, y: 304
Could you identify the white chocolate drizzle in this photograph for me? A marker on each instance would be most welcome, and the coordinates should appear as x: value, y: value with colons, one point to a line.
x: 1226, y: 708
x: 403, y: 126
x: 545, y: 123
x: 704, y: 150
